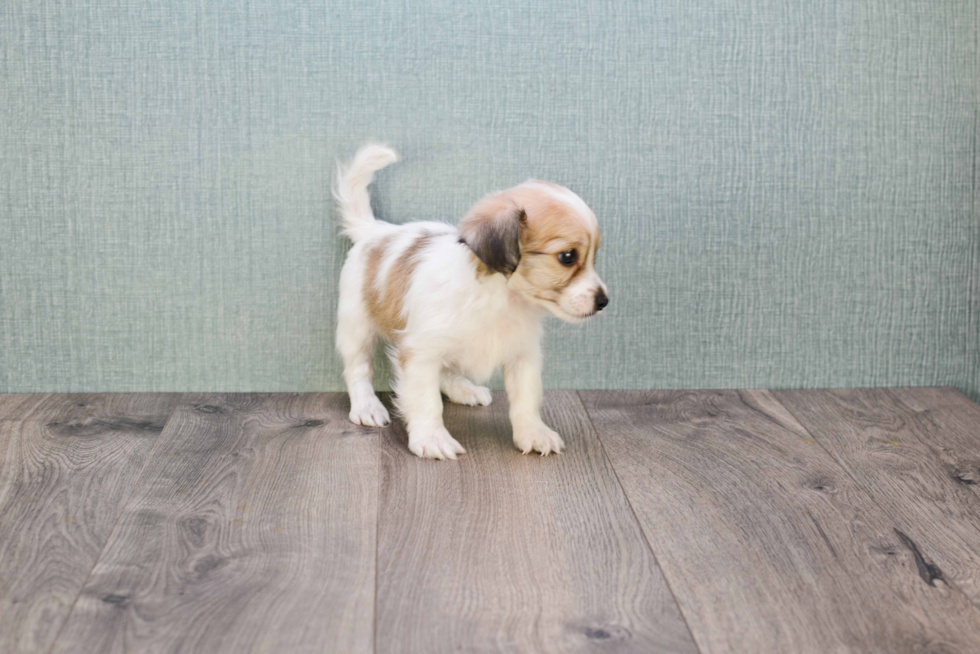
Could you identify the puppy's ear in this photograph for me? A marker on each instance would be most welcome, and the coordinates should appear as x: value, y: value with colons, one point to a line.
x: 492, y: 230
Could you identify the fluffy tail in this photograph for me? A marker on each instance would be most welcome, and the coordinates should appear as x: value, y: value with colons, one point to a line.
x: 351, y: 190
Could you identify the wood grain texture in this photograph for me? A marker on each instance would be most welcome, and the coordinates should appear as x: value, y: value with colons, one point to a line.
x: 68, y: 463
x: 766, y: 542
x: 505, y: 552
x: 252, y: 530
x: 882, y: 443
x: 948, y: 422
x: 14, y: 406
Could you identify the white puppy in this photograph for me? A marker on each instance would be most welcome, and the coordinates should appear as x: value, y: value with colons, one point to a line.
x: 455, y: 304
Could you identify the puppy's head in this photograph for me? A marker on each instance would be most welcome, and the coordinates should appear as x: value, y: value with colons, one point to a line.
x: 543, y: 238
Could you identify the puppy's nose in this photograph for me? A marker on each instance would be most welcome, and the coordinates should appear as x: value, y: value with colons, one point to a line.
x: 601, y: 301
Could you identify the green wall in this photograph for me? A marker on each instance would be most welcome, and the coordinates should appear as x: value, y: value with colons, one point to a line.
x: 787, y: 189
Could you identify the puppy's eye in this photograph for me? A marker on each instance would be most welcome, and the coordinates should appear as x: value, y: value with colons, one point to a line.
x: 568, y: 257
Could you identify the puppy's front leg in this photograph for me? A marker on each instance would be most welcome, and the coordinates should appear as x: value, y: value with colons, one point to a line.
x: 522, y: 379
x: 421, y: 405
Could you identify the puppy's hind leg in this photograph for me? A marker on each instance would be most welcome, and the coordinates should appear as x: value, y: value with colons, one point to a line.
x: 461, y: 390
x: 355, y: 341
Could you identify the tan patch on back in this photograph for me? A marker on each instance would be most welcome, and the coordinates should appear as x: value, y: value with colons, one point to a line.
x: 385, y: 305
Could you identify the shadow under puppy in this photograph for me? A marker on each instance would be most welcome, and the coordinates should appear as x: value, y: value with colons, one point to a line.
x: 456, y: 303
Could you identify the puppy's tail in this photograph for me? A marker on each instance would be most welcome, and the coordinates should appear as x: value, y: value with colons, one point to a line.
x: 351, y: 189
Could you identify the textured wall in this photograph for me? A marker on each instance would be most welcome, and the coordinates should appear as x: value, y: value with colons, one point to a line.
x: 787, y: 188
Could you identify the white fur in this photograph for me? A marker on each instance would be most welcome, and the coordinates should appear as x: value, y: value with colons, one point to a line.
x: 460, y: 325
x: 351, y: 189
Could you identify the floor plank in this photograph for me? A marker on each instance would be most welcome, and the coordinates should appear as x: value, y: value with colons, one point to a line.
x: 15, y: 406
x: 949, y: 422
x: 68, y: 464
x: 882, y: 443
x: 251, y: 530
x: 504, y: 552
x: 767, y: 543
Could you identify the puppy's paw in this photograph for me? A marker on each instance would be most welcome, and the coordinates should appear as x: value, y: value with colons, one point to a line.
x: 434, y: 443
x: 538, y: 437
x: 369, y: 412
x: 463, y: 391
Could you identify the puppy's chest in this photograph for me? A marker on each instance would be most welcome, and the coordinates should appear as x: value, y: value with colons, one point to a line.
x: 488, y: 341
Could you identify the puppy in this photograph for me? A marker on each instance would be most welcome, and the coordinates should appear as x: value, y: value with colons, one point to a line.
x: 456, y: 303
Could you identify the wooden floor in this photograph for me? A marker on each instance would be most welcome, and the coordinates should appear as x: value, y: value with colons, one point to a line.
x: 676, y: 521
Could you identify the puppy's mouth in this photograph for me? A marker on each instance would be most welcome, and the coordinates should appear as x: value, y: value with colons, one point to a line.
x: 555, y: 308
x: 558, y: 312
